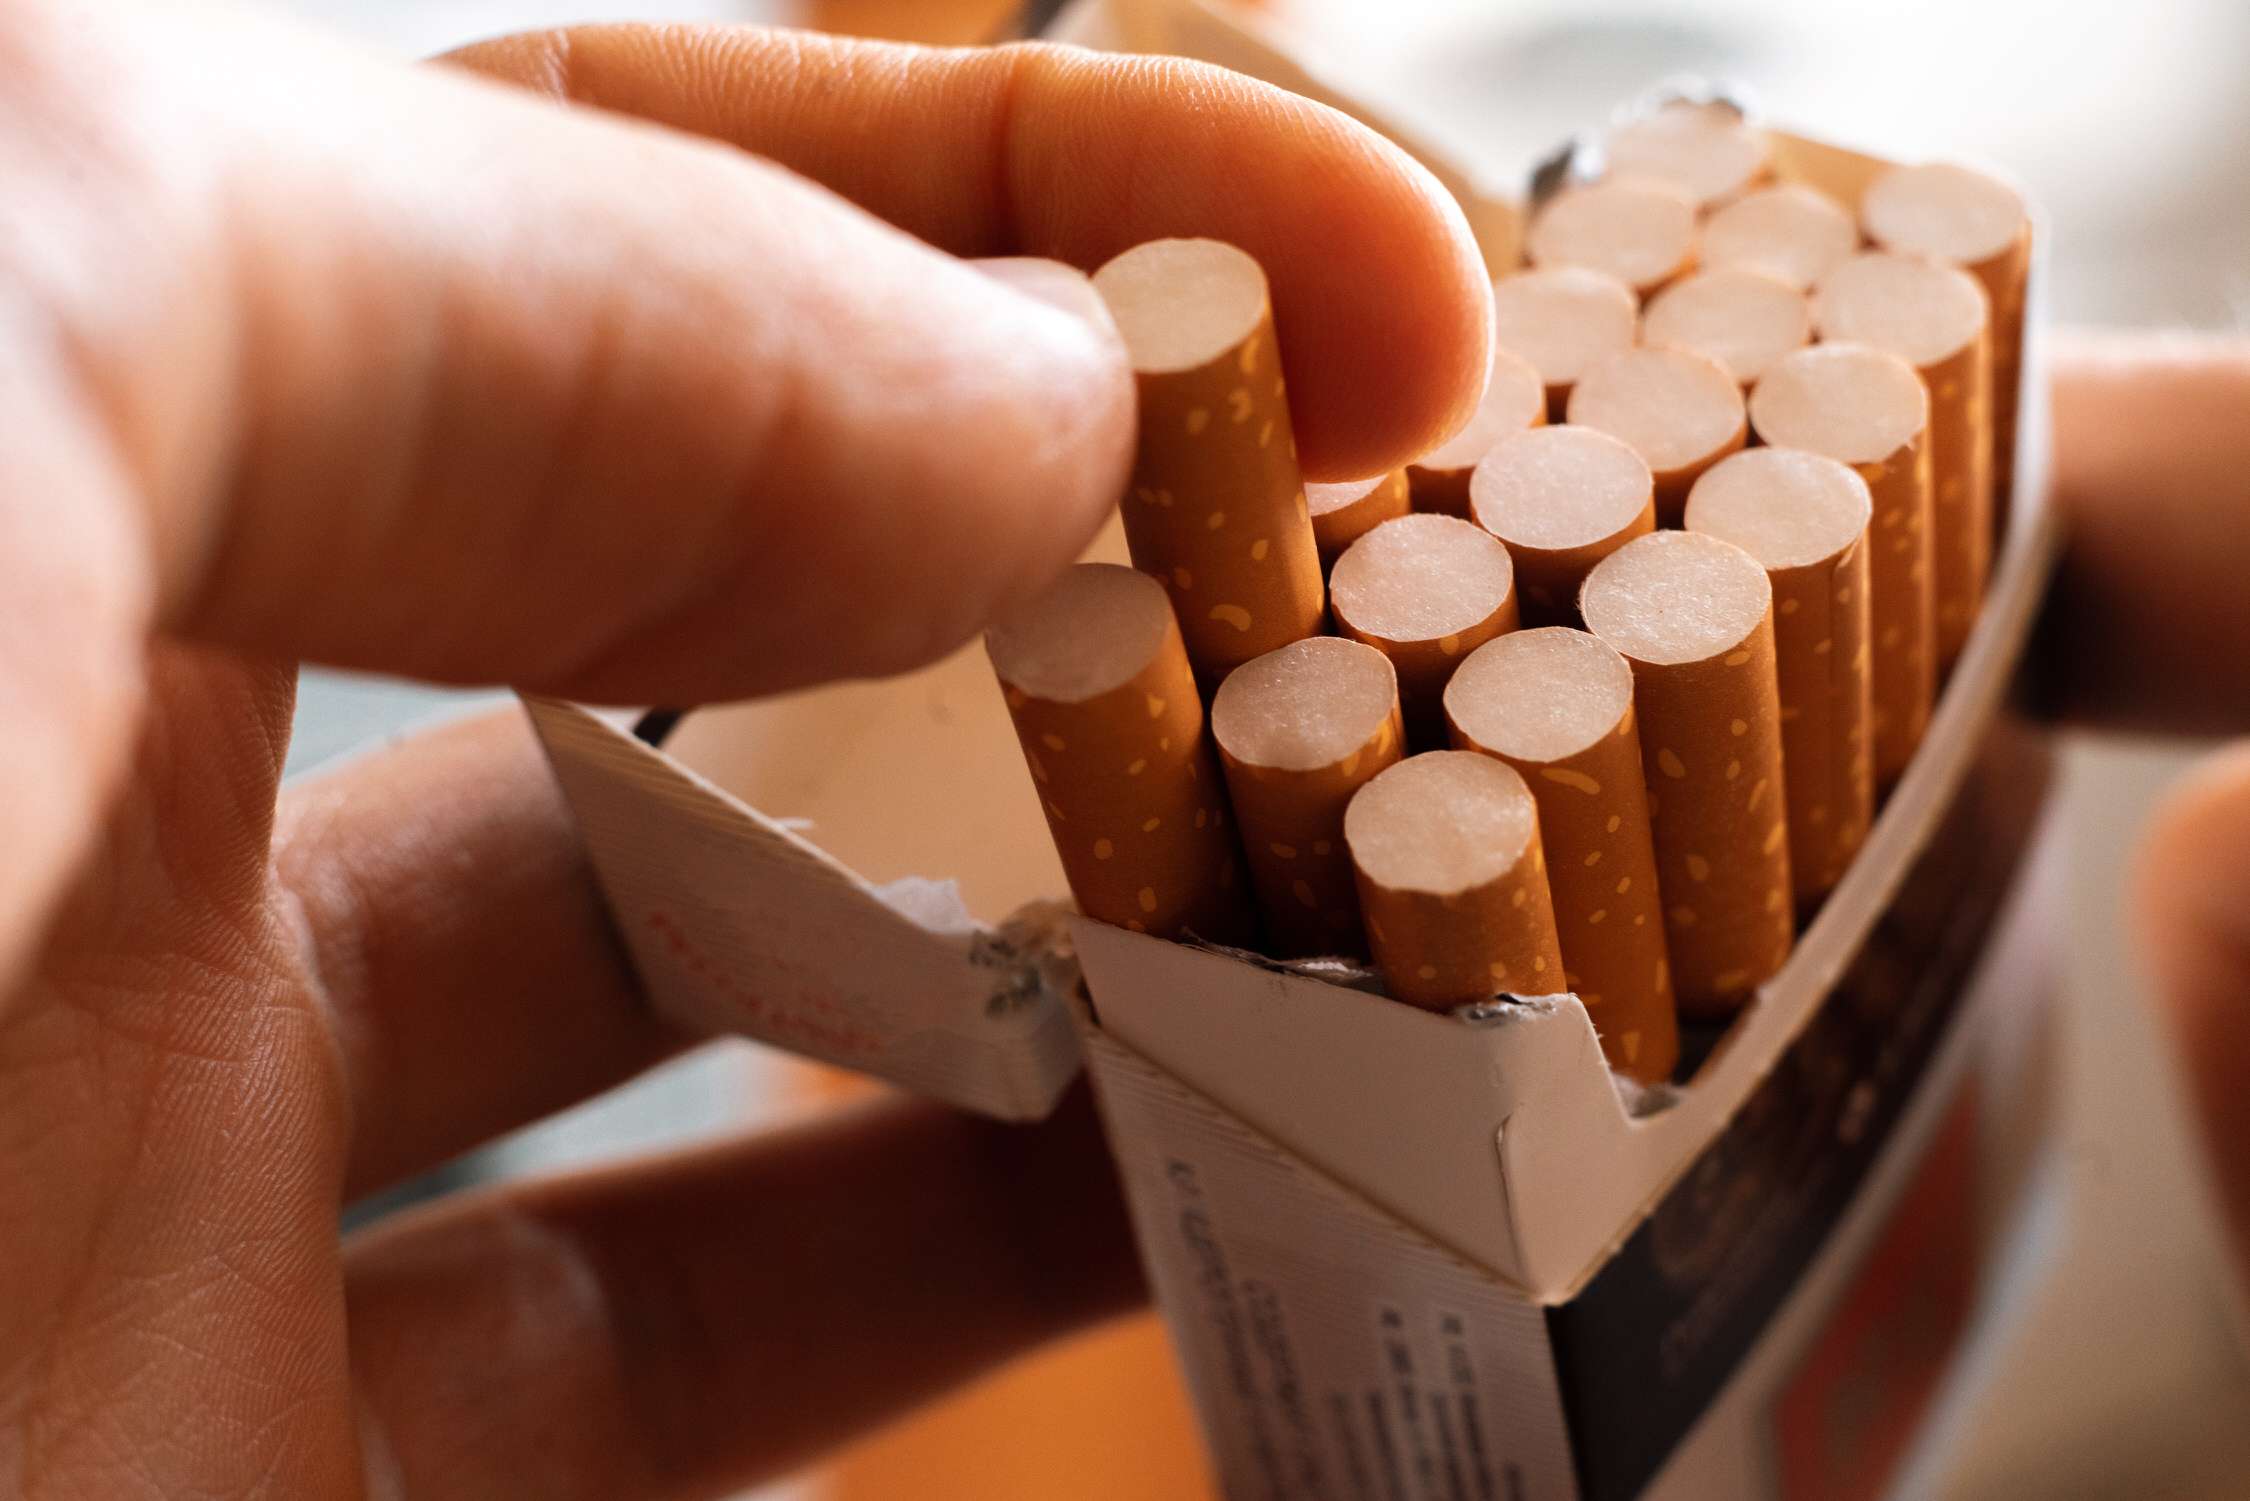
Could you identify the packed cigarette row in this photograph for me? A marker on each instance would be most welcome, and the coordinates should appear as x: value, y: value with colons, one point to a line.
x: 1610, y: 692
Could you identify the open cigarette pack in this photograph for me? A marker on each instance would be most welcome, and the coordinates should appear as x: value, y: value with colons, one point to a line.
x: 1407, y: 1252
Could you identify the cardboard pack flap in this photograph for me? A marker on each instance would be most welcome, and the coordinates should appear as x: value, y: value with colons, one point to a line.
x: 736, y: 924
x: 1403, y: 1107
x: 1273, y: 1276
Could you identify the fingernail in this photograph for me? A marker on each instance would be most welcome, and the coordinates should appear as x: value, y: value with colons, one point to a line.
x: 1062, y: 287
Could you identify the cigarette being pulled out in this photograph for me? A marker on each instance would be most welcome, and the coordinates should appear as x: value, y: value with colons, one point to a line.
x: 1097, y: 680
x: 1216, y: 507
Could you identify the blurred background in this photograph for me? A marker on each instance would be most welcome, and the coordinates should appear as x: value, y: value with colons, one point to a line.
x: 2123, y: 1373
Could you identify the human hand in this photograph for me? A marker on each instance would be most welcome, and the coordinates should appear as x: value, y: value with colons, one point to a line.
x: 312, y: 357
x: 2149, y: 630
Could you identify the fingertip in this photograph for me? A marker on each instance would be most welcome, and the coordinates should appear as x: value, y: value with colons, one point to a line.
x: 1071, y: 475
x: 2193, y: 867
x: 860, y: 449
x: 1404, y: 307
x: 994, y: 438
x: 2191, y: 900
x: 1381, y: 298
x: 1381, y: 301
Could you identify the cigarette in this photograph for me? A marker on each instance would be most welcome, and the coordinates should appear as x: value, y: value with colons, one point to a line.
x: 1563, y: 321
x: 1933, y: 316
x: 1425, y: 591
x: 1452, y: 881
x: 1299, y: 730
x: 1097, y: 680
x: 1744, y: 319
x: 1787, y: 231
x: 1216, y: 508
x: 1706, y: 151
x: 1868, y: 409
x: 1980, y: 223
x: 1515, y: 398
x: 1804, y: 518
x: 1561, y: 499
x: 1680, y: 411
x: 1344, y: 513
x: 1557, y: 705
x: 1642, y: 233
x: 1694, y: 617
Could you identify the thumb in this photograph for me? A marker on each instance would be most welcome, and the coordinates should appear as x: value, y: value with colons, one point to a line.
x: 2192, y: 894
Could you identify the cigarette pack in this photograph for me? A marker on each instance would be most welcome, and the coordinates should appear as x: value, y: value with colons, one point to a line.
x: 1406, y: 1254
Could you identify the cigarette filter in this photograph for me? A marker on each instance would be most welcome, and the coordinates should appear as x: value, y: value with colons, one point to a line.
x: 1804, y: 518
x: 1097, y: 681
x: 1787, y: 231
x: 1557, y: 705
x: 1868, y: 409
x: 1216, y: 508
x: 1562, y: 321
x: 1344, y: 513
x: 1641, y: 232
x: 1425, y: 591
x: 1453, y: 882
x: 1299, y: 730
x: 1933, y: 316
x: 1706, y: 151
x: 1744, y: 319
x: 1515, y: 398
x: 1680, y: 411
x: 1562, y: 499
x: 1980, y: 223
x: 1694, y: 617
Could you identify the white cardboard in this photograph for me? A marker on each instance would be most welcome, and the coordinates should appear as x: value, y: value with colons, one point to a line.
x: 1450, y: 1384
x: 737, y: 924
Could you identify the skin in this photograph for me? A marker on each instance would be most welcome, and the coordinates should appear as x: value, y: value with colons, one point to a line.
x: 310, y: 357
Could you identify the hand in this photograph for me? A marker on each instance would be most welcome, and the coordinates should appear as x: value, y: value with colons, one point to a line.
x: 2150, y: 631
x: 311, y: 357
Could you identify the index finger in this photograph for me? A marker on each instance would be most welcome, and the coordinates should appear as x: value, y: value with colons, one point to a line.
x: 1056, y: 151
x: 326, y: 359
x: 2149, y: 624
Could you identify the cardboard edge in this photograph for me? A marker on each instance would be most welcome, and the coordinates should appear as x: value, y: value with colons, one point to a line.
x: 986, y: 1028
x: 1109, y: 1057
x: 1287, y: 1055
